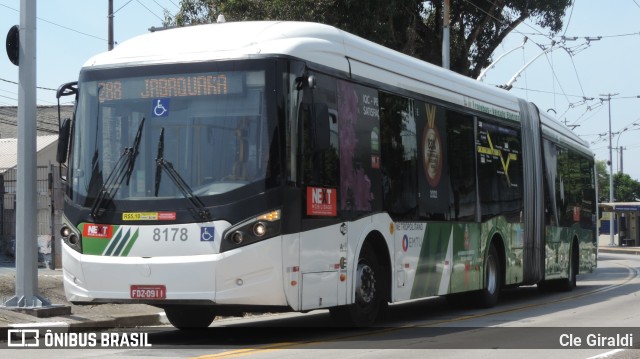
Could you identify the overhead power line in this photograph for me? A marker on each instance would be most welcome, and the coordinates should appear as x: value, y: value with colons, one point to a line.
x: 58, y: 25
x: 569, y: 21
x: 39, y: 87
x: 149, y: 10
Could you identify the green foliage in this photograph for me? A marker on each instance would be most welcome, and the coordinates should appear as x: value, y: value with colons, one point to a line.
x: 413, y: 27
x: 625, y: 188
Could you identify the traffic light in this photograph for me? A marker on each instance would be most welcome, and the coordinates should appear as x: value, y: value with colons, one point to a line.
x: 13, y: 44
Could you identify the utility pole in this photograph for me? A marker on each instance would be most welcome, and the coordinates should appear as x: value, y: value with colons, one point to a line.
x: 26, y: 238
x: 446, y: 22
x: 110, y: 17
x: 611, y: 242
x: 621, y: 161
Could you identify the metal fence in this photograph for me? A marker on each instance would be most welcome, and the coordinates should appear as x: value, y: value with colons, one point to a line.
x: 47, y: 219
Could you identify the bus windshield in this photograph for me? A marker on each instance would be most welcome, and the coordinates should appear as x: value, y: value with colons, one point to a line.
x: 153, y: 133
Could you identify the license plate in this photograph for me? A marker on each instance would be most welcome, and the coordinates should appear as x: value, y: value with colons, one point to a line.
x: 148, y: 292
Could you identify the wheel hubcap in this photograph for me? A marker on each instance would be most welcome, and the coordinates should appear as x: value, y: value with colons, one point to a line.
x: 365, y: 284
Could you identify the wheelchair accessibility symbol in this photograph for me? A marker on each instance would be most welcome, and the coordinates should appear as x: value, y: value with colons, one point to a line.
x: 207, y: 234
x: 160, y: 107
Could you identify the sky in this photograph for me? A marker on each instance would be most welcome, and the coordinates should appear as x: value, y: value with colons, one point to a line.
x: 571, y: 82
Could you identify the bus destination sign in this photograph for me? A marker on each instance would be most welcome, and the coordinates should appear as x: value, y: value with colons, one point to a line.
x: 203, y: 84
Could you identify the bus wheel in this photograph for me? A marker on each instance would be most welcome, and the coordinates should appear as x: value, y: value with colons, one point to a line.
x: 364, y: 311
x: 489, y: 295
x: 570, y: 282
x: 190, y: 317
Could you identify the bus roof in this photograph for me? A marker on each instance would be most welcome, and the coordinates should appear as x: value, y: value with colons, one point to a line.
x: 320, y: 44
x: 314, y: 42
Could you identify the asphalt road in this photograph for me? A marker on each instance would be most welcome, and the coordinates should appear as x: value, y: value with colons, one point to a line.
x: 526, y: 324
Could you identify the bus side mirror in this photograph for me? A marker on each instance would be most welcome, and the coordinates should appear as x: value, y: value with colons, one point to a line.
x: 68, y: 89
x: 63, y: 141
x: 306, y: 82
x: 320, y: 127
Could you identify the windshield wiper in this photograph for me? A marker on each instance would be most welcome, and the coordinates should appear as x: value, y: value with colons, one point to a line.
x: 133, y: 155
x: 162, y: 164
x: 123, y: 169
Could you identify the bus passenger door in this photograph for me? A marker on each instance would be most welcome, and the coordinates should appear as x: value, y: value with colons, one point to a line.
x: 323, y: 239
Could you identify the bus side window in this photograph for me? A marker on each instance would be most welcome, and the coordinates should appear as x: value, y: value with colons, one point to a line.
x: 398, y: 156
x: 462, y: 167
x: 320, y: 127
x: 359, y: 137
x: 433, y: 162
x: 564, y: 188
x: 499, y: 170
x: 551, y: 172
x: 319, y: 123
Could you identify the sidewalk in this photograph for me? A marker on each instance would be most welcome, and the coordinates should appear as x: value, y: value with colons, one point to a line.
x: 603, y: 245
x: 82, y: 316
x: 619, y: 250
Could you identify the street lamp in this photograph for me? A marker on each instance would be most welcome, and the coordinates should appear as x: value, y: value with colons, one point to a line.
x: 620, y: 160
x: 611, y: 243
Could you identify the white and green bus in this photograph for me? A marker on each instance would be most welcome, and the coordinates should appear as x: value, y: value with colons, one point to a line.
x: 284, y: 166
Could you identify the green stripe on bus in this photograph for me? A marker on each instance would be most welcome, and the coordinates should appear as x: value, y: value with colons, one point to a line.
x: 438, y: 274
x: 113, y: 243
x: 94, y: 246
x: 122, y: 243
x: 130, y: 244
x: 432, y: 254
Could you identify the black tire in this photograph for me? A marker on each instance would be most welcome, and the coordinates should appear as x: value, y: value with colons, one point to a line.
x: 570, y: 282
x: 190, y: 317
x: 493, y: 284
x: 368, y: 297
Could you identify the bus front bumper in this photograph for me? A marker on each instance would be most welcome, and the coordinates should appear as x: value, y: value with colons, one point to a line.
x: 252, y: 275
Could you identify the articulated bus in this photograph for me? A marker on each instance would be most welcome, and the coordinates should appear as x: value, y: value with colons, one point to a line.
x: 283, y: 166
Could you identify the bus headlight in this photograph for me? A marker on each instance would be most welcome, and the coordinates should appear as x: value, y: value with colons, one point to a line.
x: 252, y: 230
x: 71, y: 236
x: 65, y: 231
x: 259, y: 229
x: 237, y: 237
x: 74, y: 240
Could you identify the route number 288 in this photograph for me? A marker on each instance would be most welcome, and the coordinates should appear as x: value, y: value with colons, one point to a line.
x: 170, y: 234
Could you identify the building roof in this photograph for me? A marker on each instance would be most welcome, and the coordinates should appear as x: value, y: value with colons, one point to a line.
x: 47, y: 122
x: 9, y: 150
x: 620, y: 206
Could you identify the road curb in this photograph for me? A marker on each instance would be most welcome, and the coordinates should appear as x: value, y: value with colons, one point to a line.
x: 87, y: 324
x: 141, y: 320
x: 634, y: 251
x: 124, y: 321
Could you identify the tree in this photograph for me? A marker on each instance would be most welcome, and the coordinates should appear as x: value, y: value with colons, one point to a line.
x: 625, y: 188
x: 413, y: 27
